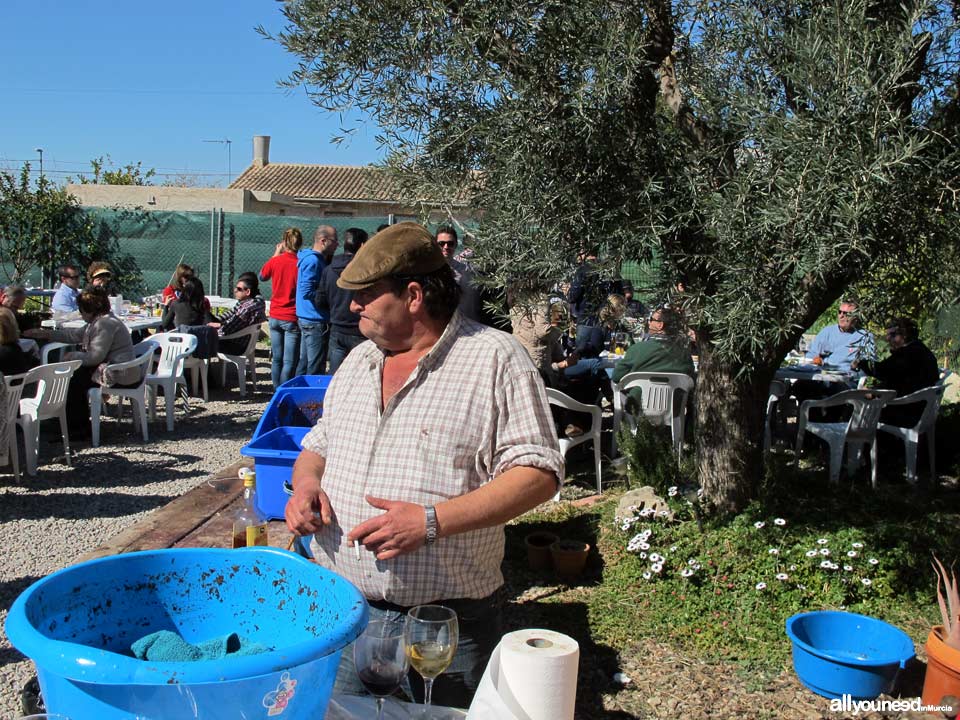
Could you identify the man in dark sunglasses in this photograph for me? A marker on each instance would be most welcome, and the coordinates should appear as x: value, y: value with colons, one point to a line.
x: 839, y: 344
x: 470, y: 301
x: 65, y: 299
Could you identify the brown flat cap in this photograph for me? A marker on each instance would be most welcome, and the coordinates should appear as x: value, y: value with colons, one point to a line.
x: 406, y: 248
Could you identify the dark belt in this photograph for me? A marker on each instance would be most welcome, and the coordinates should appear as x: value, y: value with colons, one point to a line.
x: 452, y: 603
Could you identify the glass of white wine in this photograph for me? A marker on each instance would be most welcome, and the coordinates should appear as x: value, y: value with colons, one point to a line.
x: 431, y: 633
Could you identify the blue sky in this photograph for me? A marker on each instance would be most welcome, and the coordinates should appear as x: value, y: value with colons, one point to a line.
x: 150, y: 82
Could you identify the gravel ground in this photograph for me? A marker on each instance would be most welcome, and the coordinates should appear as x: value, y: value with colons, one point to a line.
x: 48, y: 521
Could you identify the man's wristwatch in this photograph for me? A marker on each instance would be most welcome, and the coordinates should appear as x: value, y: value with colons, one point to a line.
x: 432, y: 527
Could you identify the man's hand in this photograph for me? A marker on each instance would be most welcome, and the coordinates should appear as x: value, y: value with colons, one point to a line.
x: 401, y: 529
x: 300, y: 510
x: 308, y: 498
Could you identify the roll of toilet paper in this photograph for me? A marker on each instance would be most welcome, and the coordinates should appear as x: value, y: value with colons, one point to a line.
x: 532, y: 675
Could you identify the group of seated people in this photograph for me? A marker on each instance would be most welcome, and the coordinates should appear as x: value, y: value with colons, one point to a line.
x: 105, y: 340
x: 847, y: 347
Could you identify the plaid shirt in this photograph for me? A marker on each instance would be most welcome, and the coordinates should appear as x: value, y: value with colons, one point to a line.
x: 251, y: 311
x: 473, y: 408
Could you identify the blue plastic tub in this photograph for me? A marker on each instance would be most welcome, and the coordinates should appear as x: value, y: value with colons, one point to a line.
x: 274, y: 454
x: 78, y: 624
x: 311, y: 381
x: 292, y: 407
x: 840, y: 653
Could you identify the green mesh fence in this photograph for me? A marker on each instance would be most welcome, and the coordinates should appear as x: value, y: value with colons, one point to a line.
x: 219, y: 246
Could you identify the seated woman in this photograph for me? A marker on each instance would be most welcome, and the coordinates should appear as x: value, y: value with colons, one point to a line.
x: 13, y: 360
x: 103, y: 341
x: 173, y: 291
x: 249, y: 310
x: 190, y: 308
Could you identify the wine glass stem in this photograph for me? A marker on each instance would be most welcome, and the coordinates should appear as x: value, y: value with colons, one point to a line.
x: 379, y: 708
x: 427, y: 690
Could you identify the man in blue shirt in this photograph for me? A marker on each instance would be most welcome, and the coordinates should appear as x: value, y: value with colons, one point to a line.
x: 314, y: 323
x: 65, y: 299
x: 837, y: 346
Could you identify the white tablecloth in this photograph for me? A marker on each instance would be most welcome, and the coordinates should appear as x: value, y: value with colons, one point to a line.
x: 133, y: 323
x: 824, y: 376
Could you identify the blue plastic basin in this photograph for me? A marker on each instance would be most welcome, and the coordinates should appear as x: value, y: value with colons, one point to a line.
x: 274, y: 454
x: 77, y: 625
x: 839, y: 653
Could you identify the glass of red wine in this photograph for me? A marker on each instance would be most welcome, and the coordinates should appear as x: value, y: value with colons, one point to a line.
x: 380, y: 656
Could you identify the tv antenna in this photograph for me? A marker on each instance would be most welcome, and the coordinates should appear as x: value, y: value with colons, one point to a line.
x: 226, y: 142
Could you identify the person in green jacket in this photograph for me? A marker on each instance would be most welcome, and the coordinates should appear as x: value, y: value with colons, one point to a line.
x: 667, y: 349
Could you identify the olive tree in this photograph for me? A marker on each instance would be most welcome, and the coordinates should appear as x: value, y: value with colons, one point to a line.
x: 771, y: 151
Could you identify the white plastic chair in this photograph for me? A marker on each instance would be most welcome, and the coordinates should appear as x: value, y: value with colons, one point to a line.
x: 593, y: 434
x: 931, y: 397
x: 168, y: 373
x: 54, y: 349
x: 778, y: 389
x: 199, y: 369
x: 12, y: 390
x: 137, y: 394
x: 859, y: 430
x: 49, y: 402
x: 244, y: 361
x: 664, y: 402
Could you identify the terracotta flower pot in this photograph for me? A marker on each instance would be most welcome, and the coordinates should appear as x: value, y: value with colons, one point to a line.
x: 538, y: 549
x: 569, y: 557
x: 943, y: 669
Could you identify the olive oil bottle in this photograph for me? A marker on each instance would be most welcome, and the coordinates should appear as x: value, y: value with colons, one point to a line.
x: 249, y: 527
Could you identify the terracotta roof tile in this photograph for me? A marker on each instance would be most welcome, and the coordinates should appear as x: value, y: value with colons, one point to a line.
x: 319, y: 182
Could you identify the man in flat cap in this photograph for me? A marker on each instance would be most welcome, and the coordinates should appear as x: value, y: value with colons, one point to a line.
x: 434, y: 434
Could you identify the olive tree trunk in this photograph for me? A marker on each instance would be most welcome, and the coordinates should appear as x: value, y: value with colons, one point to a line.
x: 731, y: 409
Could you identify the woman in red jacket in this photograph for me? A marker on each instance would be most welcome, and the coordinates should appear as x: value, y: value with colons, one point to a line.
x: 281, y: 269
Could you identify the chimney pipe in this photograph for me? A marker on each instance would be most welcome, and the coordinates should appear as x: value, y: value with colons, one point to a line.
x: 261, y: 150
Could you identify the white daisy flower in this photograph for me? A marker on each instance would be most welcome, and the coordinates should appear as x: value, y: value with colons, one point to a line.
x: 857, y: 545
x: 662, y: 513
x: 773, y: 551
x: 866, y: 581
x: 779, y: 521
x: 848, y: 568
x: 687, y: 572
x: 696, y: 566
x: 782, y: 576
x: 692, y: 562
x: 644, y: 546
x: 793, y: 568
x: 826, y: 564
x: 825, y: 551
x: 672, y: 491
x: 657, y: 567
x: 761, y: 586
x: 656, y: 557
x: 759, y: 524
x: 642, y: 556
x: 673, y: 548
x: 834, y: 566
x: 852, y: 553
x: 811, y: 553
x: 647, y: 575
x: 873, y: 561
x: 822, y: 541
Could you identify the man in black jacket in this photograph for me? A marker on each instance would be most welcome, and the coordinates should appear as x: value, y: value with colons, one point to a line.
x: 910, y: 367
x: 344, y: 324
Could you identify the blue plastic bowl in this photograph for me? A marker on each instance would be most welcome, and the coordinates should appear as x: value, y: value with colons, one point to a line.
x: 840, y: 653
x: 77, y: 625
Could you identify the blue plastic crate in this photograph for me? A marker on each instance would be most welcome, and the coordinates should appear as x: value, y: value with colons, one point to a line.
x: 292, y: 407
x: 304, y: 381
x: 274, y: 453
